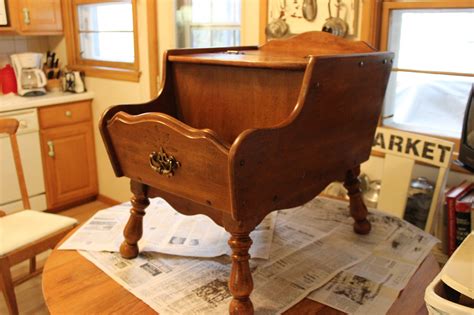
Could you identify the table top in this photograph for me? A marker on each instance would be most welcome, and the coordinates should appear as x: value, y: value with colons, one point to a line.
x: 72, y: 284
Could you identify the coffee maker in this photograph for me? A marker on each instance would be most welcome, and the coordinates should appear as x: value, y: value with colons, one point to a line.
x: 30, y: 79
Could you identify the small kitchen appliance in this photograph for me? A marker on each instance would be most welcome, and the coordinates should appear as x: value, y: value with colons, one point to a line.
x: 74, y: 82
x: 7, y: 80
x: 30, y: 79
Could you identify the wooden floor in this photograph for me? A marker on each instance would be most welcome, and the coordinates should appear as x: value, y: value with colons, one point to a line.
x: 29, y: 294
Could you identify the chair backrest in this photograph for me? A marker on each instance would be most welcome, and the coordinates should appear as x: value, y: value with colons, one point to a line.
x: 402, y: 150
x: 10, y: 126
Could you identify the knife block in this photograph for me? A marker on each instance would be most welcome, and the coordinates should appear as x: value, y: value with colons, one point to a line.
x: 54, y: 85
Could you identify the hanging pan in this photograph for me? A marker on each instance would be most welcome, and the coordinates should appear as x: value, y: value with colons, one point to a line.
x: 310, y: 10
x: 277, y: 27
x: 335, y: 25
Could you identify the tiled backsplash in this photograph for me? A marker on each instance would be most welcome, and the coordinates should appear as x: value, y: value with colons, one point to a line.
x: 18, y: 44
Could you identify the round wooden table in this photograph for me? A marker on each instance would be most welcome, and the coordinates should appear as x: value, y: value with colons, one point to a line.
x: 73, y: 285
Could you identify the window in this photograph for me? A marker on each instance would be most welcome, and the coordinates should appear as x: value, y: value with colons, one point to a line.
x: 105, y: 38
x: 106, y: 32
x: 433, y: 67
x: 208, y: 23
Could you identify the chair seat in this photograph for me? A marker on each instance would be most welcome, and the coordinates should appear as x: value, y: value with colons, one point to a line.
x: 27, y: 226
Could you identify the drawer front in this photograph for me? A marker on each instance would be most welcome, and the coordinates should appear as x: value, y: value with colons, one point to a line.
x: 65, y: 114
x: 200, y: 173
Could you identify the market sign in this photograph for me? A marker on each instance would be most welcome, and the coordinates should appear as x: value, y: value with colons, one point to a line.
x: 418, y: 147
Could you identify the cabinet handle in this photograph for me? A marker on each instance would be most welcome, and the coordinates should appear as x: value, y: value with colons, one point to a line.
x: 23, y: 124
x: 26, y: 16
x: 68, y: 113
x: 51, y: 149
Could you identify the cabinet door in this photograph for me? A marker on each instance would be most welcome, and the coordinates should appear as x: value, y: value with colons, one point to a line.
x: 69, y: 164
x: 40, y: 16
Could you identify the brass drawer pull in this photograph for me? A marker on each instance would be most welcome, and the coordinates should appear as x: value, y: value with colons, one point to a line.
x: 68, y: 113
x: 51, y: 149
x: 163, y: 164
x: 26, y: 16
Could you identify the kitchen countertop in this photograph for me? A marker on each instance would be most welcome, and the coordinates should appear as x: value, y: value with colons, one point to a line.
x: 12, y: 101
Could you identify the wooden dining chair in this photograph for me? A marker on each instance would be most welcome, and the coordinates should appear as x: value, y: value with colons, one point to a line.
x: 402, y: 150
x: 27, y: 233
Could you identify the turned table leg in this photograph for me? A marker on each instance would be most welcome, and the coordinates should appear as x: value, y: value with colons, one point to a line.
x: 240, y: 282
x: 357, y: 207
x: 134, y: 229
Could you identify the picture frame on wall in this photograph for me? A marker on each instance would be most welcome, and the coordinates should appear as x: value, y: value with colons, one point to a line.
x: 3, y: 13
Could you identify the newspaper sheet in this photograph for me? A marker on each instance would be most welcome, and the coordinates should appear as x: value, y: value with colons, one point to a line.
x: 166, y: 231
x: 133, y: 273
x: 302, y: 259
x: 199, y: 286
x: 373, y: 285
x: 292, y: 234
x: 103, y: 231
x: 281, y: 283
x: 355, y: 273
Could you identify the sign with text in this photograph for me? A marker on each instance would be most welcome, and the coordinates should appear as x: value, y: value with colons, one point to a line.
x: 418, y: 147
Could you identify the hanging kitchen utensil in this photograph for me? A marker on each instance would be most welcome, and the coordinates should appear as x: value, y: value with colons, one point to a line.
x: 335, y: 25
x: 310, y: 10
x: 277, y: 27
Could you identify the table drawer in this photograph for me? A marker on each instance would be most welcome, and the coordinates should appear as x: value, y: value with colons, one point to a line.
x: 65, y: 114
x: 197, y: 160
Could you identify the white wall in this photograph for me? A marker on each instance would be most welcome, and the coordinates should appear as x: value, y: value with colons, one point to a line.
x: 250, y: 22
x: 108, y: 93
x: 19, y: 44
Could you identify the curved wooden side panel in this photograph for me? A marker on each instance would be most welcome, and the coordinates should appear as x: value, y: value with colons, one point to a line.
x: 161, y: 152
x: 330, y: 131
